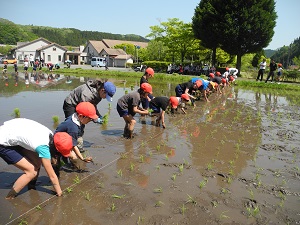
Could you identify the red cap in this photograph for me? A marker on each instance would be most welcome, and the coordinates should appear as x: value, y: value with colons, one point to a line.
x: 227, y: 68
x: 198, y: 83
x: 63, y: 143
x: 223, y: 80
x: 174, y: 102
x: 185, y: 97
x: 218, y: 73
x: 146, y: 87
x: 150, y: 71
x: 86, y: 109
x: 211, y: 75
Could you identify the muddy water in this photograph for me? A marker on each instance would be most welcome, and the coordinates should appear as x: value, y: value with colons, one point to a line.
x: 233, y: 160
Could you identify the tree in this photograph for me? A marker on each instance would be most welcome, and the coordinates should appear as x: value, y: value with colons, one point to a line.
x: 239, y: 26
x: 204, y: 23
x: 176, y: 35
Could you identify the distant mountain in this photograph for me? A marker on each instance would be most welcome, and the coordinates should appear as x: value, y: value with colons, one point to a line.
x: 12, y: 33
x: 269, y: 52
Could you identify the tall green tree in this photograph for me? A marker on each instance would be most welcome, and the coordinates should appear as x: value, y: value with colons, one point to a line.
x: 176, y: 35
x: 238, y: 26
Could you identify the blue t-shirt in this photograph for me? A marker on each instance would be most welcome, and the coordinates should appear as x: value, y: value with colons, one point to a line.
x: 71, y: 128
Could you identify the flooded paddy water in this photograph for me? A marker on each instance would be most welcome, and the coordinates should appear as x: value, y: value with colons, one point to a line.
x: 234, y: 160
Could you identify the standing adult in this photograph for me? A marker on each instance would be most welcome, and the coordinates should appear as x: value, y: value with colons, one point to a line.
x: 262, y: 67
x: 31, y: 60
x: 273, y: 67
x: 27, y: 145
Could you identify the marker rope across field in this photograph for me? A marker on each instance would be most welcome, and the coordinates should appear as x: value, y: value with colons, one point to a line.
x: 75, y: 184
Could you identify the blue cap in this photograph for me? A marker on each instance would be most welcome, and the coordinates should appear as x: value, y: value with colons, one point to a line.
x: 110, y: 90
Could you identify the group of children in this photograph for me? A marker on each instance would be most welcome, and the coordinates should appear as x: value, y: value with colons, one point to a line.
x: 129, y: 104
x: 28, y: 144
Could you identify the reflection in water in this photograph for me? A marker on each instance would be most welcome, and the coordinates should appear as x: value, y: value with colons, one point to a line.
x: 216, y: 139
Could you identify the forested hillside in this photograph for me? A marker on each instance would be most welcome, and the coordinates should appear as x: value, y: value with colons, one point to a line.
x: 12, y: 33
x: 286, y: 54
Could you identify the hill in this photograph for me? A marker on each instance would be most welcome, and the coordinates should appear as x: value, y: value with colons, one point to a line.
x: 269, y: 52
x: 12, y: 33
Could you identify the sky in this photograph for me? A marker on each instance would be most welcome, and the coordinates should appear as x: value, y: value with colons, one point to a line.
x: 132, y: 16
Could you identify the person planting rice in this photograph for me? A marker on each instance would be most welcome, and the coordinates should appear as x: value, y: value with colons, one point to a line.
x: 149, y: 73
x: 188, y: 88
x: 92, y: 91
x: 205, y: 86
x: 27, y: 145
x: 85, y: 112
x: 128, y: 106
x: 160, y: 104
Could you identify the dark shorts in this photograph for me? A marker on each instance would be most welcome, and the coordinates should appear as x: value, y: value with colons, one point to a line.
x: 10, y: 154
x: 122, y: 112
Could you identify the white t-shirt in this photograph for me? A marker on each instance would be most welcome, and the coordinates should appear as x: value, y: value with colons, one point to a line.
x: 234, y: 72
x: 27, y: 133
x: 26, y: 64
x: 262, y: 65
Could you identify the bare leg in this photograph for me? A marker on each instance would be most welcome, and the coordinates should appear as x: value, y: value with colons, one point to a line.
x: 29, y: 173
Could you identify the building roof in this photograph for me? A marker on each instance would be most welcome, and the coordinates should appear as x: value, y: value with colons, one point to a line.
x: 51, y: 45
x: 98, y: 45
x: 112, y: 51
x: 23, y: 44
x: 111, y: 43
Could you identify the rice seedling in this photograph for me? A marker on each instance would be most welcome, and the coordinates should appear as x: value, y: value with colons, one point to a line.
x: 209, y: 166
x: 101, y: 185
x: 223, y: 216
x: 173, y: 177
x: 157, y: 167
x: 252, y: 212
x: 22, y: 222
x: 214, y: 203
x: 180, y: 168
x: 88, y: 196
x: 69, y: 189
x: 251, y: 194
x: 76, y: 179
x: 191, y: 200
x: 203, y: 183
x: 166, y: 157
x: 182, y: 209
x: 150, y: 153
x: 141, y: 158
x: 123, y: 156
x: 55, y: 119
x: 113, y: 207
x: 157, y: 190
x: 157, y: 147
x: 118, y: 196
x: 229, y: 180
x: 38, y: 207
x: 159, y: 204
x: 11, y: 215
x: 109, y: 105
x: 140, y: 220
x: 224, y: 191
x: 16, y: 113
x: 132, y: 166
x: 105, y: 118
x: 120, y: 173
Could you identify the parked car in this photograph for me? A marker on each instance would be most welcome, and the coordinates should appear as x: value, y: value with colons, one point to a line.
x: 98, y: 61
x: 9, y: 61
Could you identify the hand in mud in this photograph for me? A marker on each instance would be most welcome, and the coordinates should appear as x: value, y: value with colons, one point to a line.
x: 88, y: 159
x: 164, y: 125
